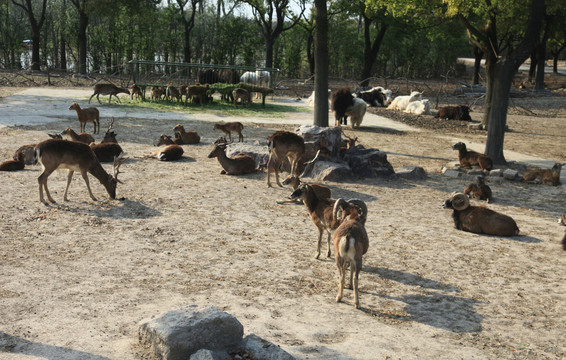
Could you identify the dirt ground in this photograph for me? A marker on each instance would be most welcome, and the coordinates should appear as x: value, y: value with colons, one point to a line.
x: 77, y: 277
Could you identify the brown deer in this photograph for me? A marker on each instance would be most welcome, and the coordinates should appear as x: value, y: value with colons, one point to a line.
x: 187, y: 137
x: 171, y: 92
x: 82, y: 137
x: 108, y: 89
x: 14, y: 165
x: 157, y: 92
x: 284, y: 144
x: 73, y: 156
x: 110, y: 135
x: 238, y: 165
x: 135, y: 91
x: 229, y: 127
x: 87, y: 115
x: 199, y: 91
x: 545, y: 176
x: 243, y: 95
x: 167, y: 140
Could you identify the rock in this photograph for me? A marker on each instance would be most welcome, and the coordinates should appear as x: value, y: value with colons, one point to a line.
x: 258, y: 152
x: 331, y: 171
x: 469, y: 177
x: 264, y: 350
x: 510, y: 174
x: 411, y: 173
x: 205, y: 354
x: 475, y: 126
x: 368, y: 163
x: 495, y: 173
x: 450, y: 173
x: 329, y: 139
x: 178, y: 334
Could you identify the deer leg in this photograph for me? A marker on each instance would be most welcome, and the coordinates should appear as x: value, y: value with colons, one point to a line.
x: 269, y: 166
x: 69, y: 178
x: 329, y: 252
x: 341, y: 270
x: 352, y: 267
x: 357, y: 270
x: 319, y: 243
x: 90, y: 98
x: 42, y: 180
x: 85, y: 177
x: 97, y: 98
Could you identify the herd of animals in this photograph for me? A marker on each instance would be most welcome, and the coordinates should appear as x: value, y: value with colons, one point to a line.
x: 342, y: 220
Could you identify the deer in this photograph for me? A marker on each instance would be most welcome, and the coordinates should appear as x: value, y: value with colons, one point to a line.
x: 87, y: 115
x: 157, y: 92
x: 544, y: 176
x: 169, y: 153
x: 243, y: 95
x: 108, y: 89
x: 199, y: 91
x: 14, y: 165
x: 238, y: 165
x: 167, y: 140
x: 171, y: 92
x: 55, y: 154
x: 187, y: 137
x: 135, y: 91
x: 228, y: 127
x: 82, y: 137
x: 110, y: 135
x: 283, y: 144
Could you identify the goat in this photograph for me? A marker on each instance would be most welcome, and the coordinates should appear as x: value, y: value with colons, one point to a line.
x: 351, y: 242
x: 322, y: 211
x: 14, y: 165
x: 187, y: 137
x: 283, y: 144
x: 340, y: 101
x: 458, y: 112
x: 29, y: 154
x: 418, y: 107
x: 74, y: 156
x: 238, y: 165
x: 156, y: 93
x: 470, y: 158
x: 135, y: 91
x: 401, y: 102
x: 356, y: 112
x: 109, y: 136
x: 545, y: 176
x: 169, y: 153
x: 373, y: 97
x: 479, y: 191
x: 87, y: 115
x: 82, y: 137
x: 166, y: 140
x: 310, y: 99
x: 108, y: 89
x: 228, y: 127
x: 106, y: 152
x: 243, y: 95
x: 198, y: 91
x: 479, y: 219
x: 172, y: 92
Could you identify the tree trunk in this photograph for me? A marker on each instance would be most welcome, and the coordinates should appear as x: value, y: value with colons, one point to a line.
x: 268, y: 51
x: 533, y: 66
x: 310, y: 55
x: 83, y: 24
x: 35, y: 62
x: 370, y: 49
x: 478, y: 56
x: 541, y: 54
x: 63, y: 61
x: 491, y: 78
x: 321, y: 65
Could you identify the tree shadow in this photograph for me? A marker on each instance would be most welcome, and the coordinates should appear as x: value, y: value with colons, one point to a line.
x: 16, y: 345
x: 409, y: 279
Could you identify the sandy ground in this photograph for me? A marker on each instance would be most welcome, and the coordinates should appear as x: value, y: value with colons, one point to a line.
x: 76, y: 278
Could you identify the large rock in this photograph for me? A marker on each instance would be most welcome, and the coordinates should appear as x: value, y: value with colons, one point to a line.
x: 259, y: 152
x: 263, y: 349
x: 327, y: 138
x: 368, y: 163
x: 330, y: 171
x: 411, y: 173
x: 178, y: 334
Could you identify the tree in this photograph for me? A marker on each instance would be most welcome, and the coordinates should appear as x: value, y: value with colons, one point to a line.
x: 502, y: 59
x: 36, y: 25
x: 188, y: 21
x: 321, y: 65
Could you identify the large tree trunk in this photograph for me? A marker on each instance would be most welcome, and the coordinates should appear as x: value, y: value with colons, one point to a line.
x: 541, y: 63
x: 35, y: 61
x: 63, y: 61
x: 321, y: 65
x: 370, y: 49
x: 268, y: 51
x: 478, y: 56
x: 83, y: 24
x: 310, y: 55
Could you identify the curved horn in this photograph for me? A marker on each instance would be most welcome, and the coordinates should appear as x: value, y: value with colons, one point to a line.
x: 460, y: 201
x: 362, y: 209
x: 339, y: 205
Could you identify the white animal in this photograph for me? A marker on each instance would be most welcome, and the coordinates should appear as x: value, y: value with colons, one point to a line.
x: 259, y: 78
x: 386, y: 92
x: 419, y: 107
x: 310, y: 100
x: 401, y: 102
x: 356, y: 112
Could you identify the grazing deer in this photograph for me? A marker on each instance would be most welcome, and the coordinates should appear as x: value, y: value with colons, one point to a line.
x: 199, y: 91
x: 157, y: 92
x: 108, y: 89
x: 73, y: 156
x: 82, y: 137
x: 135, y: 91
x: 87, y: 115
x: 243, y: 95
x: 284, y: 144
x: 229, y: 127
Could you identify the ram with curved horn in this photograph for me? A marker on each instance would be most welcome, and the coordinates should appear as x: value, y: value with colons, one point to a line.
x: 479, y: 219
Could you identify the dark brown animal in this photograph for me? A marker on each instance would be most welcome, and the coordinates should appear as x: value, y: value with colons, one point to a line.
x: 544, y: 176
x: 135, y: 91
x: 479, y: 191
x: 82, y: 137
x: 479, y: 219
x: 200, y: 92
x: 187, y: 137
x: 108, y: 89
x: 172, y: 93
x: 208, y: 76
x: 238, y: 165
x: 458, y: 112
x: 470, y: 158
x: 243, y: 95
x: 87, y: 115
x: 340, y: 101
x: 228, y: 127
x: 284, y: 144
x: 169, y: 153
x: 106, y: 152
x: 167, y: 140
x: 110, y: 135
x: 14, y: 165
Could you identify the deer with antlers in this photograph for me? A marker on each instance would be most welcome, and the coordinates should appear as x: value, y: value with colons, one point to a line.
x: 62, y: 154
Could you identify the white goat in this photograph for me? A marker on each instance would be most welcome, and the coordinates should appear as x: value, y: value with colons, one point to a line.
x: 356, y: 112
x: 401, y: 102
x: 419, y: 107
x: 388, y: 94
x: 310, y: 100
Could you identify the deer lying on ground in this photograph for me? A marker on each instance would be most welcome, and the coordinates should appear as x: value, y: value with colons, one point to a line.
x: 238, y: 165
x: 544, y: 176
x: 169, y: 153
x: 243, y: 95
x: 323, y: 211
x: 73, y: 156
x: 167, y: 140
x: 87, y: 115
x: 29, y: 154
x: 283, y: 144
x: 82, y: 137
x: 110, y: 135
x: 470, y: 158
x: 108, y: 89
x: 135, y: 91
x: 479, y: 191
x: 351, y: 242
x: 228, y: 127
x: 187, y: 137
x: 14, y: 165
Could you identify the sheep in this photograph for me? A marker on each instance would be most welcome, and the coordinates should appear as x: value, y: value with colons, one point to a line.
x: 243, y: 95
x: 238, y: 165
x: 86, y: 115
x: 418, y: 107
x: 322, y: 211
x: 108, y: 89
x: 470, y: 158
x: 479, y: 191
x: 14, y: 165
x: 283, y: 144
x: 228, y: 127
x: 401, y: 102
x: 458, y: 112
x: 544, y: 176
x: 171, y: 92
x: 82, y: 137
x: 340, y: 101
x: 187, y: 137
x: 169, y: 153
x: 135, y: 91
x: 107, y: 152
x: 373, y: 97
x: 479, y: 219
x: 166, y: 140
x: 351, y: 242
x: 356, y: 112
x: 198, y: 91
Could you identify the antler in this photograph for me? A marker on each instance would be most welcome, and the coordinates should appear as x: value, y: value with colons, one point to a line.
x: 118, y: 160
x: 110, y: 124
